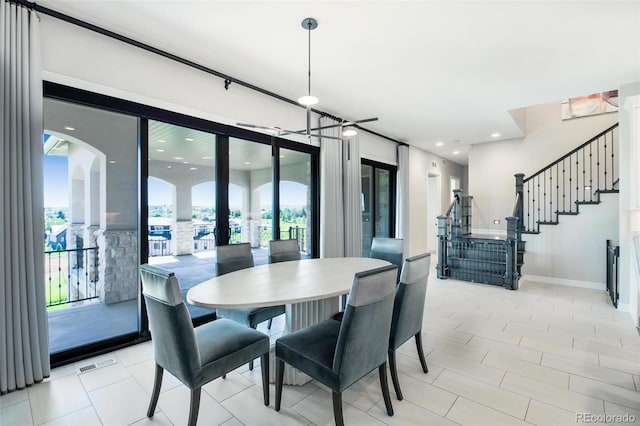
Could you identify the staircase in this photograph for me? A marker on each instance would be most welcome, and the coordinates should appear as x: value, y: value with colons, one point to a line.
x: 576, y: 179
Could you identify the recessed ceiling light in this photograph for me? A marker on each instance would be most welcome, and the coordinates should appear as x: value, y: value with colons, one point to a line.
x: 185, y: 162
x: 69, y: 128
x: 456, y: 152
x: 168, y: 167
x: 112, y: 161
x: 161, y: 141
x: 178, y: 158
x: 439, y: 143
x: 160, y: 150
x: 188, y: 139
x: 495, y: 135
x: 282, y: 156
x: 193, y: 168
x: 207, y: 158
x: 247, y: 162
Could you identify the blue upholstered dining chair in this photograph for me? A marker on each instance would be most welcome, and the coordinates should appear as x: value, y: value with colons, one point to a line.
x: 283, y: 251
x: 389, y: 249
x: 194, y: 356
x: 231, y: 258
x: 339, y: 353
x: 408, y: 310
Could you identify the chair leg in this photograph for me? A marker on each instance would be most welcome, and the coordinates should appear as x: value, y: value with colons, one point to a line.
x: 421, y: 352
x: 269, y: 323
x: 394, y: 374
x: 254, y: 326
x: 264, y: 365
x: 279, y: 379
x: 194, y: 407
x: 382, y: 372
x: 337, y: 408
x: 156, y: 391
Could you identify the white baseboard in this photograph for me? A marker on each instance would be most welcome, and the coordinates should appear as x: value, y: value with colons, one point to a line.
x: 562, y: 281
x: 624, y: 307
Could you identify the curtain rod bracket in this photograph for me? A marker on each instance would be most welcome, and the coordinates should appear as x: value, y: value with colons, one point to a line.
x: 227, y: 83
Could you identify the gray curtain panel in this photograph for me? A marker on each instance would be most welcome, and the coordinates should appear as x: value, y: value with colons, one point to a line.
x: 402, y: 196
x: 352, y: 187
x: 331, y: 201
x: 24, y: 340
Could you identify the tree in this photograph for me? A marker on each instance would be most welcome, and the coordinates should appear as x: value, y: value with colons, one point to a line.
x: 60, y: 215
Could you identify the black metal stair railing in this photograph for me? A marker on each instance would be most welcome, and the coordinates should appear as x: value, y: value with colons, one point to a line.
x: 576, y: 178
x: 483, y: 259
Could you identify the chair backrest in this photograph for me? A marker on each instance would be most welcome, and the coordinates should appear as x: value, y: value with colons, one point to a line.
x: 389, y: 249
x: 283, y: 251
x: 408, y: 306
x: 364, y: 333
x: 174, y: 342
x: 233, y: 258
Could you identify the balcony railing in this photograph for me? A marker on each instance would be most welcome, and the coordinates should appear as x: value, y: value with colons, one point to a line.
x: 71, y: 275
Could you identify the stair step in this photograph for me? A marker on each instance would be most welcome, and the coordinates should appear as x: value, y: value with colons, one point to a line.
x: 567, y: 213
x: 587, y: 202
x: 531, y: 232
x: 607, y: 191
x: 540, y: 222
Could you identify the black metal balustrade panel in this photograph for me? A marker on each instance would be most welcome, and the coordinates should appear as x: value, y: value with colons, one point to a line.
x: 613, y: 258
x: 477, y: 261
x: 575, y: 179
x: 71, y: 275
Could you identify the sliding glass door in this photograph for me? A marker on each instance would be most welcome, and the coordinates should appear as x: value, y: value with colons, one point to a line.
x: 91, y: 217
x: 127, y: 184
x: 181, y: 200
x: 377, y: 202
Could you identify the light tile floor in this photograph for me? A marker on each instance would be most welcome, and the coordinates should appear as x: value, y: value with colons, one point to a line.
x: 539, y: 355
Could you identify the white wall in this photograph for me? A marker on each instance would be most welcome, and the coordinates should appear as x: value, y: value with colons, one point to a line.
x: 421, y: 163
x: 566, y: 254
x: 80, y: 58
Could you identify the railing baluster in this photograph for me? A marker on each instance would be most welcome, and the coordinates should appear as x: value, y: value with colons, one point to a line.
x: 557, y: 190
x: 591, y: 171
x: 605, y: 161
x: 577, y: 180
x: 613, y: 163
x: 544, y: 191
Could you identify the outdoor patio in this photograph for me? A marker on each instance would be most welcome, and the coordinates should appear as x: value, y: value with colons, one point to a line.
x: 92, y: 321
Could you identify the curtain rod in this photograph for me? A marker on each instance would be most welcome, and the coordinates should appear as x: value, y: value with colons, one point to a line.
x: 227, y: 78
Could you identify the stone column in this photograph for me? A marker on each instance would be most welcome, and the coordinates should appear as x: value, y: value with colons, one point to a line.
x: 182, y: 237
x: 118, y: 269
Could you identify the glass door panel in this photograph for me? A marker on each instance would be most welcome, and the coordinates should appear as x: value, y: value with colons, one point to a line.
x: 383, y: 206
x: 181, y: 201
x: 251, y: 196
x: 367, y: 205
x: 295, y: 198
x: 91, y: 219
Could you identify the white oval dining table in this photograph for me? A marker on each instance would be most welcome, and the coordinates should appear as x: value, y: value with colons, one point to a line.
x: 309, y: 288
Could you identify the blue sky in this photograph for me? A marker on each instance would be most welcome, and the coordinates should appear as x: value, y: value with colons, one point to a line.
x: 56, y: 181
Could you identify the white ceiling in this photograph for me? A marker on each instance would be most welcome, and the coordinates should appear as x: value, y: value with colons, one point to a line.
x: 432, y: 71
